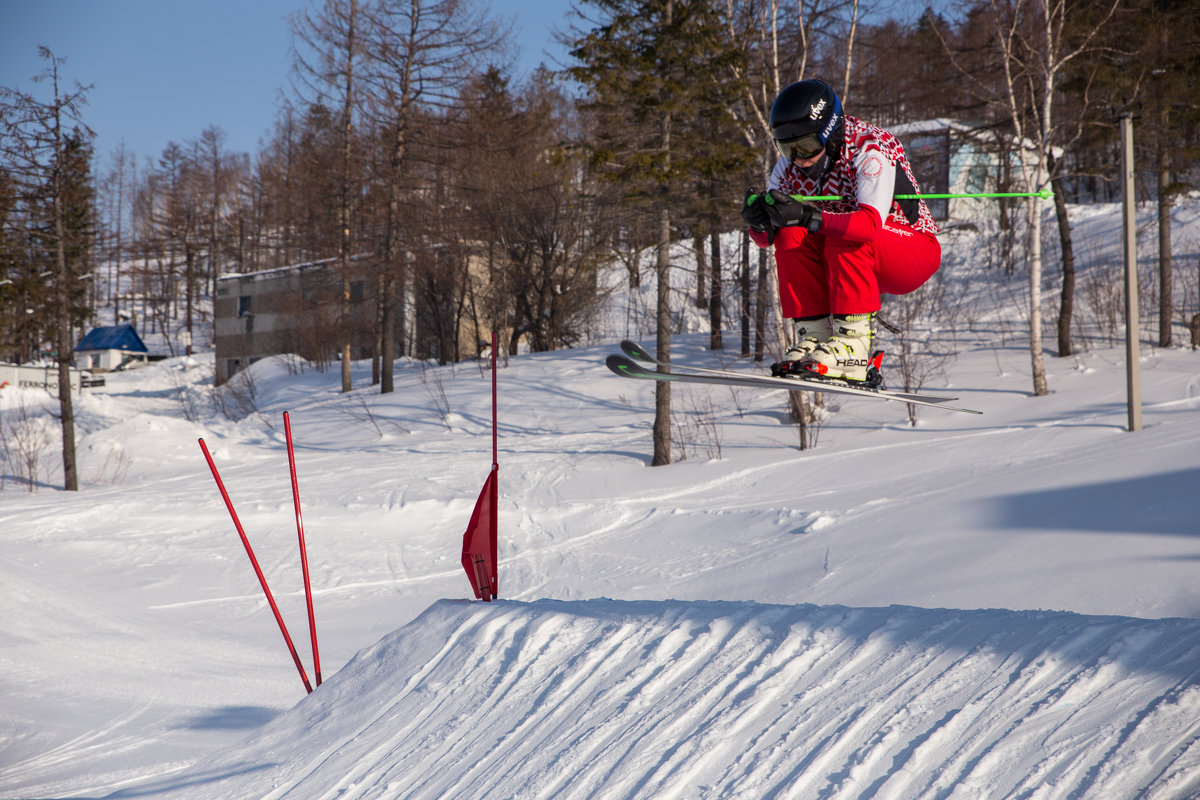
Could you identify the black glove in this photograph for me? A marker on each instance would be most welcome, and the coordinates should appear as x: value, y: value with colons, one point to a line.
x: 754, y: 211
x: 786, y: 212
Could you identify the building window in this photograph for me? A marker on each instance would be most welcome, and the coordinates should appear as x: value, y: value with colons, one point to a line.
x: 244, y: 305
x: 929, y: 156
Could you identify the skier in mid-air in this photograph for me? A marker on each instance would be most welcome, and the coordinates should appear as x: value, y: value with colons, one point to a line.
x: 835, y: 257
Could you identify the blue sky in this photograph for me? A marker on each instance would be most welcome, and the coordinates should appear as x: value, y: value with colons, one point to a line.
x: 164, y: 70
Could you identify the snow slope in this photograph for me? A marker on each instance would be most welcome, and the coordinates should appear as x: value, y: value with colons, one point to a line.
x: 995, y: 606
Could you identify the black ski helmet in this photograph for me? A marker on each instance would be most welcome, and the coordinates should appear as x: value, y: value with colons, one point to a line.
x: 805, y: 117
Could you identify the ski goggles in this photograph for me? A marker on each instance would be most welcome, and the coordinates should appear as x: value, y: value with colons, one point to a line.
x: 803, y: 147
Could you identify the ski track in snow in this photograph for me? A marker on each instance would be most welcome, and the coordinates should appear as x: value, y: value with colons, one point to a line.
x: 615, y: 699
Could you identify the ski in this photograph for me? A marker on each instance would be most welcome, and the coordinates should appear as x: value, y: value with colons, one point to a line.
x: 639, y: 353
x: 627, y: 367
x: 815, y: 382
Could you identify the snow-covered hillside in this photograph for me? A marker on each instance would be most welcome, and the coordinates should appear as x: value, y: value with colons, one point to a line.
x: 993, y: 606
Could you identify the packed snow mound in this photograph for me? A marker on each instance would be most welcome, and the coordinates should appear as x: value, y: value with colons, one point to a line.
x: 602, y: 698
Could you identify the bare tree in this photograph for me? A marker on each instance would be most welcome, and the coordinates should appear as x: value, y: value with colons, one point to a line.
x: 419, y: 54
x: 1035, y: 41
x: 116, y: 190
x: 780, y: 54
x: 330, y: 61
x: 178, y: 217
x: 214, y: 173
x: 543, y: 227
x: 24, y: 436
x: 853, y: 29
x: 1150, y: 63
x: 925, y: 323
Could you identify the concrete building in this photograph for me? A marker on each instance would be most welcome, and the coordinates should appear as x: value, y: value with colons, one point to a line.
x: 295, y: 310
x: 285, y: 310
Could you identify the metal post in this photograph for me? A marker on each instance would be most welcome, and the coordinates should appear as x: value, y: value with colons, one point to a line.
x: 1133, y: 381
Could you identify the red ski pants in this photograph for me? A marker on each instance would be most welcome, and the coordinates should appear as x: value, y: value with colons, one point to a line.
x: 820, y: 274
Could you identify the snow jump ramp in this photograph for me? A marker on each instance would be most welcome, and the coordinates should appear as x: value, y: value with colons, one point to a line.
x: 672, y: 699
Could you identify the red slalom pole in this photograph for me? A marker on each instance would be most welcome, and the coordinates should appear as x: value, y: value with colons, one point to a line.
x: 495, y: 463
x: 257, y: 571
x: 494, y: 478
x: 312, y: 622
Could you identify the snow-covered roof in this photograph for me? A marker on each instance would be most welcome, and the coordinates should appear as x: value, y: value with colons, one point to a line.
x: 930, y: 126
x: 939, y: 124
x: 324, y: 262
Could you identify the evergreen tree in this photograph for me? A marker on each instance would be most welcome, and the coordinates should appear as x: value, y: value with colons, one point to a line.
x: 1164, y: 94
x: 651, y: 71
x: 14, y: 269
x: 51, y: 167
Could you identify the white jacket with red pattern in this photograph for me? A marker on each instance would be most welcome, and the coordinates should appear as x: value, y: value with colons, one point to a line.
x: 866, y: 178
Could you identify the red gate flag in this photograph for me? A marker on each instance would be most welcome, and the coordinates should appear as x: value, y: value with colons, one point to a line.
x: 479, y: 542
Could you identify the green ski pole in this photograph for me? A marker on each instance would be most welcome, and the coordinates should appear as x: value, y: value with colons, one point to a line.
x: 1045, y: 194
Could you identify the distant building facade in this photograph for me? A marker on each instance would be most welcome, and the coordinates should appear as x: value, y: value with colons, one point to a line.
x: 285, y: 310
x: 296, y: 309
x: 951, y: 157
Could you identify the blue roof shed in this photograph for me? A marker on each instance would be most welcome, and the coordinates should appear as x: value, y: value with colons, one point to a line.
x: 112, y: 337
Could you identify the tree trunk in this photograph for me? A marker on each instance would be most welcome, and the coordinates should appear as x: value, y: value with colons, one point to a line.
x: 1166, y: 308
x: 63, y: 346
x: 395, y: 262
x: 716, y: 293
x: 344, y: 205
x: 345, y: 332
x: 380, y: 313
x: 745, y: 304
x: 190, y: 269
x: 1067, y: 300
x: 1037, y: 360
x: 387, y: 352
x: 797, y: 401
x: 662, y: 389
x: 760, y: 307
x: 701, y: 267
x: 70, y: 470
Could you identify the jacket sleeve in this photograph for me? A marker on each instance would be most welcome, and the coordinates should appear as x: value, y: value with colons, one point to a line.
x: 760, y: 238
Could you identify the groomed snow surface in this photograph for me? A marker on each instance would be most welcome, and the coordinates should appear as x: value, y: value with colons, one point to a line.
x: 996, y: 606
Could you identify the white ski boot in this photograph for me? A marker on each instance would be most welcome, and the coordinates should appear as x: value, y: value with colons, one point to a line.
x: 846, y: 354
x: 809, y: 334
